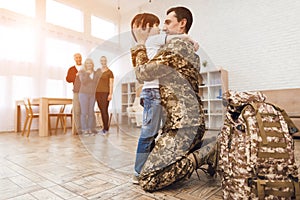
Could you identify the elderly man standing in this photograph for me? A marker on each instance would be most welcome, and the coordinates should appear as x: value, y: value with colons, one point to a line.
x: 74, y: 79
x: 177, y: 67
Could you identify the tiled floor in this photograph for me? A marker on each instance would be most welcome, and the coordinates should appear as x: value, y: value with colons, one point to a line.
x: 95, y: 167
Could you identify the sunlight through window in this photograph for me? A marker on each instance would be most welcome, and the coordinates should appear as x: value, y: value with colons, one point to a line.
x: 3, y: 88
x: 59, y: 53
x: 17, y: 44
x: 22, y: 87
x: 101, y: 28
x: 55, y: 88
x: 25, y: 7
x: 63, y: 15
x: 69, y: 90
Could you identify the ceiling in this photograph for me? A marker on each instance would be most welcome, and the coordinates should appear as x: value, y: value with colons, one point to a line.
x: 124, y: 5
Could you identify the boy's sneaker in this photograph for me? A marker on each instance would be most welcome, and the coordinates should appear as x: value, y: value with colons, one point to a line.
x: 135, y: 179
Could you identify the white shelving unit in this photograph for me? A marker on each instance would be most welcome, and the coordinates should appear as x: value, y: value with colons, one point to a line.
x: 214, y: 83
x: 128, y: 96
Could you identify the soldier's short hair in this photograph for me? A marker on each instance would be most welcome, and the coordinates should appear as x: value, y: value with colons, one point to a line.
x: 183, y: 13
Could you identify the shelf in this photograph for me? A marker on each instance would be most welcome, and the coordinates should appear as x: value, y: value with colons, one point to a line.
x: 211, y: 99
x: 203, y: 86
x: 215, y: 114
x: 214, y: 129
x: 128, y: 94
x: 215, y: 99
x: 216, y: 85
x: 207, y: 86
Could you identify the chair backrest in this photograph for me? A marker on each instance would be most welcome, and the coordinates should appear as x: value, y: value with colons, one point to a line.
x: 68, y: 109
x: 62, y: 109
x: 28, y: 107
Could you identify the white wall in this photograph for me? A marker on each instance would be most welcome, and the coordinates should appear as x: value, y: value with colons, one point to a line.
x: 258, y: 42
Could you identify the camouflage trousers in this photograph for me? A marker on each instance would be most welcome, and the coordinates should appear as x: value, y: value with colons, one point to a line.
x: 207, y: 154
x: 180, y: 169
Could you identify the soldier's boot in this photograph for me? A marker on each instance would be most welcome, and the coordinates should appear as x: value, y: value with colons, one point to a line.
x: 204, y: 155
x: 213, y: 160
x: 211, y: 170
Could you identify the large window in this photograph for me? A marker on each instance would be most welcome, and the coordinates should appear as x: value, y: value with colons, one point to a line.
x: 17, y: 44
x: 25, y: 7
x: 102, y: 28
x: 63, y: 15
x: 55, y: 88
x: 22, y: 87
x: 35, y: 54
x: 59, y: 53
x: 3, y: 88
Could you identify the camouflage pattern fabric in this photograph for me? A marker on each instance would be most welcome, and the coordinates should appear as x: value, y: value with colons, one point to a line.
x: 207, y: 154
x: 236, y: 99
x: 177, y: 67
x: 256, y: 158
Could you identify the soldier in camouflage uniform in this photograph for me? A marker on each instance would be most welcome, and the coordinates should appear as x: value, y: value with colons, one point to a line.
x: 177, y: 67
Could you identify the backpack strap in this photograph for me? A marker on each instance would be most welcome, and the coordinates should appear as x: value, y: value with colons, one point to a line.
x: 261, y: 189
x: 262, y: 132
x: 297, y: 190
x: 262, y: 184
x: 273, y: 155
x: 292, y: 127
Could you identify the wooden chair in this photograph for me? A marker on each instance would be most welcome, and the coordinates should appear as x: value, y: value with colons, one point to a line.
x: 62, y: 118
x: 99, y: 119
x: 109, y: 120
x: 30, y: 115
x: 57, y: 115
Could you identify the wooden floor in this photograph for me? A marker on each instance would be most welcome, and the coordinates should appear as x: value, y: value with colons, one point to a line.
x: 94, y: 167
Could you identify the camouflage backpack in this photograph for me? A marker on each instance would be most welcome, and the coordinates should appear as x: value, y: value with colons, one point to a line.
x: 256, y: 150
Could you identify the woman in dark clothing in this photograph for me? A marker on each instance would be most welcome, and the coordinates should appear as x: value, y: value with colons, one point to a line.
x: 104, y: 92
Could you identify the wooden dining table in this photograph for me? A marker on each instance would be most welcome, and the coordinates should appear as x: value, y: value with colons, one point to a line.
x: 43, y: 103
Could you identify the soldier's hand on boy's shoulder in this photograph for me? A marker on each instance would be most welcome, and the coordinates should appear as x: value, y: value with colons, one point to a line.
x: 141, y: 34
x: 196, y: 46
